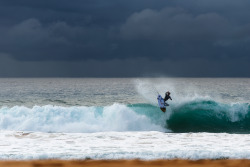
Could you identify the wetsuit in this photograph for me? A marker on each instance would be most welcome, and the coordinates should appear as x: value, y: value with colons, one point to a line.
x: 166, y: 98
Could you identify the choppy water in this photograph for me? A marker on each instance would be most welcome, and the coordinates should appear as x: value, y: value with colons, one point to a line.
x: 119, y: 118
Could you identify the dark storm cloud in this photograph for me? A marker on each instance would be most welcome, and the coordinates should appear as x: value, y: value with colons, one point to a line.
x: 122, y: 68
x: 211, y: 34
x: 175, y: 24
x: 30, y: 40
x: 183, y: 33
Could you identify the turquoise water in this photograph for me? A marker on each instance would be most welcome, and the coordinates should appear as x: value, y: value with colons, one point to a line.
x: 201, y: 116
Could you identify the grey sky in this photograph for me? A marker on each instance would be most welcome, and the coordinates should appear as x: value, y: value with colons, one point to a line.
x: 117, y: 38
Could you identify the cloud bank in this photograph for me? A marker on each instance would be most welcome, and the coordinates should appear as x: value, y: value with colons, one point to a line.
x: 123, y: 38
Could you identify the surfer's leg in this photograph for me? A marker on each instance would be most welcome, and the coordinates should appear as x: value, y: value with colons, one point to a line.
x: 166, y: 104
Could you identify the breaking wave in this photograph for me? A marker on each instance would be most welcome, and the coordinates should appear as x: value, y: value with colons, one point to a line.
x: 210, y: 116
x: 49, y: 118
x: 194, y: 116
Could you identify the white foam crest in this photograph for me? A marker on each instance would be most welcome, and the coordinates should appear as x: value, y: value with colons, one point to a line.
x: 49, y: 118
x: 181, y: 93
x: 237, y: 111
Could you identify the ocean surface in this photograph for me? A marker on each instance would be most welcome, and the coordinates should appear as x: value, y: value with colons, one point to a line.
x: 118, y: 118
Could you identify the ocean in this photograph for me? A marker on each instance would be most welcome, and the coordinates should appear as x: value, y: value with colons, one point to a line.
x: 118, y: 118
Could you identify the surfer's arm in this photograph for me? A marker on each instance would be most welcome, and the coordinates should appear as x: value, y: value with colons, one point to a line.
x: 170, y: 98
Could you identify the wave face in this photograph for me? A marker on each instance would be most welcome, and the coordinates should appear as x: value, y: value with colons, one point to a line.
x: 201, y: 116
x: 210, y: 116
x: 194, y: 116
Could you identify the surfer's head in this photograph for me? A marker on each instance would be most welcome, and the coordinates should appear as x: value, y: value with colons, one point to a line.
x: 168, y: 93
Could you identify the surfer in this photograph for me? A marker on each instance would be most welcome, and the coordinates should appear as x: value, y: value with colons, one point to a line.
x: 162, y: 102
x: 167, y: 96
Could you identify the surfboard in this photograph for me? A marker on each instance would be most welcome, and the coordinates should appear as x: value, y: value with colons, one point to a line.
x: 161, y: 103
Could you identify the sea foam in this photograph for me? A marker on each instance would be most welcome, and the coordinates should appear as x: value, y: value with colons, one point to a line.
x: 116, y: 117
x: 123, y: 145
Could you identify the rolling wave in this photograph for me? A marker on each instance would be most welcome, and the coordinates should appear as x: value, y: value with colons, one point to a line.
x: 201, y: 116
x: 194, y: 116
x: 210, y: 116
x: 116, y: 117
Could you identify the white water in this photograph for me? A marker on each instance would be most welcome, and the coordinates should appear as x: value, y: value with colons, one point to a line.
x: 116, y: 117
x: 123, y: 145
x: 190, y: 89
